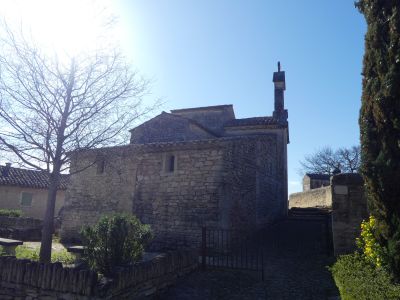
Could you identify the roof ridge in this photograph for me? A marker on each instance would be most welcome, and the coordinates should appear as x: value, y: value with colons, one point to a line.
x: 202, y: 107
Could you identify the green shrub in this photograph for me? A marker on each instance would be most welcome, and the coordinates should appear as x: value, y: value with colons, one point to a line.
x: 358, y: 279
x: 10, y: 213
x: 372, y: 251
x: 115, y: 241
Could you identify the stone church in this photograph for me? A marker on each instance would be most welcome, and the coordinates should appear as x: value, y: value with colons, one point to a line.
x: 186, y: 169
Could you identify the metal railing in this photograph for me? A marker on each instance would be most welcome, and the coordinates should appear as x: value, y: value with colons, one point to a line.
x: 231, y: 249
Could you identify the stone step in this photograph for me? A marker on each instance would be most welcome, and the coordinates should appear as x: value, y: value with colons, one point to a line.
x: 307, y: 218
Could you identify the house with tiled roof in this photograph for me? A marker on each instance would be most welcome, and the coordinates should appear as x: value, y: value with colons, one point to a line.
x: 26, y: 190
x: 185, y: 169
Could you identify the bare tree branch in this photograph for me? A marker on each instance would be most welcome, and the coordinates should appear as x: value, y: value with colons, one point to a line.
x: 50, y: 108
x: 326, y: 160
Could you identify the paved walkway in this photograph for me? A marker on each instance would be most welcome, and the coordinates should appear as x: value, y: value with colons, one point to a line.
x: 295, y: 268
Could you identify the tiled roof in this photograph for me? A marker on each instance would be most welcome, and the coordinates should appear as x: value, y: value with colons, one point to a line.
x: 318, y: 176
x: 253, y: 121
x: 214, y: 107
x: 196, y: 143
x: 28, y: 178
x: 178, y: 117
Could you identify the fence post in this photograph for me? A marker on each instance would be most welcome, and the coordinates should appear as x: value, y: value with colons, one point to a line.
x: 329, y: 237
x: 203, y: 247
x: 262, y: 263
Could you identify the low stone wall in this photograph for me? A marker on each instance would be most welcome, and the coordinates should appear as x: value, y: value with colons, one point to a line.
x: 20, y: 228
x: 32, y: 280
x: 320, y: 197
x: 349, y: 208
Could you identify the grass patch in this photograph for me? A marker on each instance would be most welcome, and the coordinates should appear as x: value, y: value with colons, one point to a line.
x: 10, y: 213
x: 24, y: 252
x: 358, y: 279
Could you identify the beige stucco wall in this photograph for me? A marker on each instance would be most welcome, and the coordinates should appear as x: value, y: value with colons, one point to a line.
x: 320, y: 197
x: 10, y: 198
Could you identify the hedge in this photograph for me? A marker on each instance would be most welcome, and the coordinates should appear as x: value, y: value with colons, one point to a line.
x: 10, y: 213
x: 359, y: 280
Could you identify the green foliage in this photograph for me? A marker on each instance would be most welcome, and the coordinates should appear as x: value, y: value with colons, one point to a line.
x: 24, y: 252
x: 380, y: 122
x: 10, y: 212
x: 367, y: 243
x: 115, y: 241
x: 359, y: 280
x: 63, y: 257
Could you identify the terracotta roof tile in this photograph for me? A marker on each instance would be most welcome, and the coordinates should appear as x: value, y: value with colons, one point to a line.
x: 253, y: 121
x: 28, y: 178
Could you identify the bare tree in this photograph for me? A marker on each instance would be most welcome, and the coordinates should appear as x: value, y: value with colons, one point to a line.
x: 326, y: 161
x: 49, y: 108
x: 350, y: 159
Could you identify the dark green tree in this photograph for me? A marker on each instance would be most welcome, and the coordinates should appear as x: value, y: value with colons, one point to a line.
x: 380, y: 122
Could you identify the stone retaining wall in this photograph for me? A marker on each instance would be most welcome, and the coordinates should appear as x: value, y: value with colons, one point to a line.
x: 32, y: 280
x: 20, y: 228
x: 349, y: 208
x: 320, y: 197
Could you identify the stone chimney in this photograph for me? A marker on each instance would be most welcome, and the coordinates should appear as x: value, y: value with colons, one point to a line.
x: 280, y: 86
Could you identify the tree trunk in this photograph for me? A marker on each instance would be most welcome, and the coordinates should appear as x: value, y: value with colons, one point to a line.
x: 48, y: 222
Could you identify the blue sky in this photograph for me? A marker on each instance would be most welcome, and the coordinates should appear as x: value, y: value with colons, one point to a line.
x: 213, y: 52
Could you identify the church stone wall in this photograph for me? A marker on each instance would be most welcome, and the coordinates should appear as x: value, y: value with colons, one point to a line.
x: 221, y: 183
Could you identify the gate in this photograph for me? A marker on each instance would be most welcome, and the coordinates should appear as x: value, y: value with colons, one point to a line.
x: 231, y: 249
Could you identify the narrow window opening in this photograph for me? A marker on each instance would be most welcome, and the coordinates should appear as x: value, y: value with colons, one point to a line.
x: 100, y: 165
x: 171, y: 163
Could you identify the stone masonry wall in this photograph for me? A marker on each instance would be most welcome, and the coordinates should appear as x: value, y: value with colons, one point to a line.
x: 349, y: 208
x: 220, y: 183
x: 25, y: 279
x: 255, y: 181
x: 320, y: 197
x: 20, y: 228
x: 176, y: 204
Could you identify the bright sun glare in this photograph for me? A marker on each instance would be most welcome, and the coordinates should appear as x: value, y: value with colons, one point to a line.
x: 65, y: 26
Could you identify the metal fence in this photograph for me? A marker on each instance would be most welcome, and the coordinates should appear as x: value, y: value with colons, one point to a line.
x: 232, y: 249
